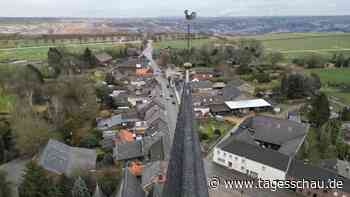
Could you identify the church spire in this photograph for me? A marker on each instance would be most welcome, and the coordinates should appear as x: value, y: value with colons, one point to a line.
x: 186, y: 176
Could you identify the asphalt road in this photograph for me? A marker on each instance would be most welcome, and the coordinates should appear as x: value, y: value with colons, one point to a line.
x: 170, y: 108
x: 14, y: 170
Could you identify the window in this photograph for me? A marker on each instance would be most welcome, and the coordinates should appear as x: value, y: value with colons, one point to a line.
x: 263, y: 168
x: 230, y: 156
x: 236, y: 158
x: 224, y: 154
x: 243, y: 161
x: 242, y: 168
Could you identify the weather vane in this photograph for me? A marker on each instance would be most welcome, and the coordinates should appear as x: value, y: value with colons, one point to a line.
x: 191, y: 16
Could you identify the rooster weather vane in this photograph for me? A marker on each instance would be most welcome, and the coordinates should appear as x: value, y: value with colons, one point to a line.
x: 191, y: 16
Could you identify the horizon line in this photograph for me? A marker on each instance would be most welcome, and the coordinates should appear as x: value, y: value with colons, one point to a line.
x: 159, y: 17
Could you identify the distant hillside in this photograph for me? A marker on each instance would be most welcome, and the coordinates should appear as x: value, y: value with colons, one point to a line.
x: 225, y: 25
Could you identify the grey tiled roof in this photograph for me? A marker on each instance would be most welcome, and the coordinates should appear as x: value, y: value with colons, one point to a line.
x: 130, y: 186
x: 128, y: 150
x: 219, y: 108
x: 143, y: 108
x: 152, y: 170
x: 103, y: 57
x: 340, y: 167
x: 202, y: 84
x: 299, y: 170
x: 110, y: 122
x: 185, y: 175
x: 289, y: 135
x: 63, y: 159
x: 230, y: 93
x: 159, y: 125
x: 148, y: 146
x: 262, y: 155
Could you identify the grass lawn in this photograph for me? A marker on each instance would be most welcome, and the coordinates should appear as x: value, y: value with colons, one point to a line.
x: 6, y: 102
x: 210, y: 125
x: 334, y: 76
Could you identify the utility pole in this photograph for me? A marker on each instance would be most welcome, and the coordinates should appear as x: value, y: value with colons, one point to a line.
x: 189, y: 18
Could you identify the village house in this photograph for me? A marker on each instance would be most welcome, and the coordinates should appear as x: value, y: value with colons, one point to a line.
x: 153, y: 173
x: 128, y: 67
x: 146, y: 149
x: 346, y: 131
x: 219, y: 85
x: 219, y: 109
x: 201, y: 86
x: 103, y: 59
x: 299, y: 170
x: 202, y: 73
x: 203, y: 102
x: 136, y: 168
x: 108, y: 139
x: 261, y: 147
x: 133, y: 52
x: 144, y: 72
x: 108, y: 123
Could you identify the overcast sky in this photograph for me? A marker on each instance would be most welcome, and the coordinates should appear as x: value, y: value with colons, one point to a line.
x: 155, y: 8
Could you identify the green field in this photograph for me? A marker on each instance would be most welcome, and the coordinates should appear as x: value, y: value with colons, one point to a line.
x: 40, y: 53
x: 334, y: 76
x: 6, y: 101
x: 291, y: 44
x: 181, y: 43
x: 301, y: 44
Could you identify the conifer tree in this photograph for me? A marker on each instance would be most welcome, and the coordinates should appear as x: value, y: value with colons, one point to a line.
x: 35, y: 183
x: 80, y: 189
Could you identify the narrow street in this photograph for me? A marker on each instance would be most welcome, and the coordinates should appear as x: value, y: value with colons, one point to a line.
x: 171, y: 109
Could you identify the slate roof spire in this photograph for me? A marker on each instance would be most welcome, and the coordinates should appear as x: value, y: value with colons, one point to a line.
x: 186, y: 176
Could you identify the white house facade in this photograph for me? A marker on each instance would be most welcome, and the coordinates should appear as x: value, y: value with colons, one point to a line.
x: 247, y: 166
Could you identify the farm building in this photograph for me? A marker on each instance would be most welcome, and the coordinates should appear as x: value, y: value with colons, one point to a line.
x: 245, y: 106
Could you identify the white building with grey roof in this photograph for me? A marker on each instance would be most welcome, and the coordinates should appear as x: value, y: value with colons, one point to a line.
x: 262, y: 147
